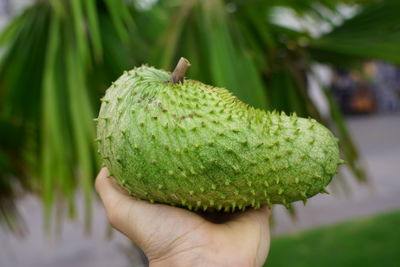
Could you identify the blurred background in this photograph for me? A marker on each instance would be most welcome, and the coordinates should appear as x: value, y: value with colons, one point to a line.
x: 333, y: 60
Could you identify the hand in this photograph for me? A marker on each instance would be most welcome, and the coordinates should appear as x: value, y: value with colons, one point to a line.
x: 171, y: 236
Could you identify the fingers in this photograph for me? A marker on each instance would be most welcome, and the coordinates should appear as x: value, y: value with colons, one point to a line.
x: 251, y: 230
x: 251, y: 215
x: 261, y: 215
x: 250, y: 220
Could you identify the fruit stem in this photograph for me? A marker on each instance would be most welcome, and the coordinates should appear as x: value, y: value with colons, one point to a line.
x: 180, y: 70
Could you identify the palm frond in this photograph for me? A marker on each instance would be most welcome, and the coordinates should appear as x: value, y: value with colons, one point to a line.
x: 374, y: 33
x: 202, y: 28
x: 51, y: 52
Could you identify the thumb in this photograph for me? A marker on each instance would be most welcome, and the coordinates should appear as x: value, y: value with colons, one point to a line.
x: 138, y: 219
x: 126, y: 214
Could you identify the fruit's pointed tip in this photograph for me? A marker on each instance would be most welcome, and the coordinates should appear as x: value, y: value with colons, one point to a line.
x: 285, y: 203
x: 325, y: 191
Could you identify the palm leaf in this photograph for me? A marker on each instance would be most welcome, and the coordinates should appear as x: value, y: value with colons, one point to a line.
x: 374, y: 33
x: 54, y: 103
x: 94, y: 30
x: 227, y: 64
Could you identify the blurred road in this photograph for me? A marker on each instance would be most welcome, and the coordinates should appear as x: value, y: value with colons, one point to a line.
x: 378, y: 138
x: 69, y: 247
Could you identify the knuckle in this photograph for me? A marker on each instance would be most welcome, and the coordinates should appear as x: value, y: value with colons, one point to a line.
x: 113, y: 217
x: 115, y: 212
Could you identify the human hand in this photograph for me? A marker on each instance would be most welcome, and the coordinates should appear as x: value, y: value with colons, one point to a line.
x: 171, y: 236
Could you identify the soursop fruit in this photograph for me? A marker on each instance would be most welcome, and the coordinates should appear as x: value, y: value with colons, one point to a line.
x: 193, y: 145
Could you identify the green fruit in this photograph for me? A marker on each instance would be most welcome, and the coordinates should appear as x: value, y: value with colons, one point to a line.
x: 197, y: 146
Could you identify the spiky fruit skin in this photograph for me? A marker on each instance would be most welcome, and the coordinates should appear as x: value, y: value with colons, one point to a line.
x: 199, y: 147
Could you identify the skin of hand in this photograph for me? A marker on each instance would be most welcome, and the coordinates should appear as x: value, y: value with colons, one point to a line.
x: 171, y: 236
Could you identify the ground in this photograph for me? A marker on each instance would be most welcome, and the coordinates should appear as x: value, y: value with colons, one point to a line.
x: 372, y: 241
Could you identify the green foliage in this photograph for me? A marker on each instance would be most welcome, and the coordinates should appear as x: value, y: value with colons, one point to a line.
x: 52, y: 73
x: 374, y: 33
x: 363, y: 242
x: 59, y: 56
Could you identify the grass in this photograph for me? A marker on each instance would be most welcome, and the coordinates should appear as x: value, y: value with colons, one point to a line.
x: 373, y: 241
